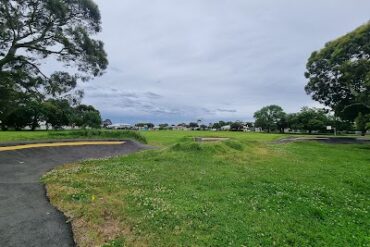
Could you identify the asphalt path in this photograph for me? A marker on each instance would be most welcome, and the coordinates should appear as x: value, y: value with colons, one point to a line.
x: 329, y: 140
x: 26, y: 216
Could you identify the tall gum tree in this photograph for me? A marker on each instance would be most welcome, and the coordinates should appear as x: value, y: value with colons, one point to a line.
x: 32, y: 31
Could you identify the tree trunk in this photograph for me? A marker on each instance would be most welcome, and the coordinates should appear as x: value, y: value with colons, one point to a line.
x: 363, y: 132
x: 34, y: 124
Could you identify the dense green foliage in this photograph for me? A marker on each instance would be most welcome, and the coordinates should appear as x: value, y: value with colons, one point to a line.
x: 270, y: 118
x: 339, y: 74
x: 310, y: 119
x: 147, y: 125
x: 273, y: 118
x: 86, y: 116
x: 35, y: 30
x: 243, y: 192
x: 56, y: 113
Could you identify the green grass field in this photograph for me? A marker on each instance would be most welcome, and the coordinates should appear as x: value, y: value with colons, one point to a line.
x: 13, y: 136
x: 242, y: 192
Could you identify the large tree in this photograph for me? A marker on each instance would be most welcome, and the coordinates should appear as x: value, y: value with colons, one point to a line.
x: 86, y: 116
x: 57, y: 113
x: 269, y: 117
x: 19, y: 118
x: 236, y: 126
x: 313, y: 119
x: 339, y: 74
x: 33, y: 32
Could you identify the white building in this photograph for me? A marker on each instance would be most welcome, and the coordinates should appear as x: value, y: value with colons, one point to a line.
x: 226, y: 128
x: 118, y: 126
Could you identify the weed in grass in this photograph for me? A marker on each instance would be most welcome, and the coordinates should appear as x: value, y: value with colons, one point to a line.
x: 79, y: 197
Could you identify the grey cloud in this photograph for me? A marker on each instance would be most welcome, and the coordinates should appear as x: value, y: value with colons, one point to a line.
x: 212, y: 59
x: 113, y: 95
x: 152, y: 95
x: 141, y: 106
x: 227, y: 110
x: 96, y: 92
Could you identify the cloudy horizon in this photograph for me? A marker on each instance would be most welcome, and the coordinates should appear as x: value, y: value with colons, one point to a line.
x: 179, y: 61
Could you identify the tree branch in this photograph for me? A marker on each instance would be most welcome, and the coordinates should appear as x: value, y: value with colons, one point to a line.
x: 35, y: 67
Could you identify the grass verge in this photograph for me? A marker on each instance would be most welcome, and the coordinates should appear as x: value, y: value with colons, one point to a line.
x: 242, y: 192
x: 6, y: 136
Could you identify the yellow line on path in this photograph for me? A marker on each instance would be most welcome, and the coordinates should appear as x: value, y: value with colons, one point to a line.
x: 59, y: 144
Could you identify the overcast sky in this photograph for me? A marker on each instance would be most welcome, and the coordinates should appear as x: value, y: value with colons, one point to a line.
x: 183, y: 60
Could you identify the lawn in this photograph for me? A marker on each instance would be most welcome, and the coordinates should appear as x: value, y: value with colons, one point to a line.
x: 14, y: 136
x: 243, y: 192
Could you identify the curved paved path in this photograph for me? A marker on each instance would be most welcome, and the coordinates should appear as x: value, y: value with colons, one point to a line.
x: 323, y: 139
x: 26, y: 216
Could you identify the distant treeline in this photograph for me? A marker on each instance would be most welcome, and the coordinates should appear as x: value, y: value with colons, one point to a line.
x: 272, y: 118
x: 52, y: 113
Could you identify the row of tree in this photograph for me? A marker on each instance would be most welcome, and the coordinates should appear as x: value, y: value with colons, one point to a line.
x: 54, y: 113
x: 233, y: 126
x: 273, y: 118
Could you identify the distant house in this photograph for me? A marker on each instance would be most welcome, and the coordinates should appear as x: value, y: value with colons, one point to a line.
x: 119, y: 126
x: 226, y: 127
x: 180, y: 127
